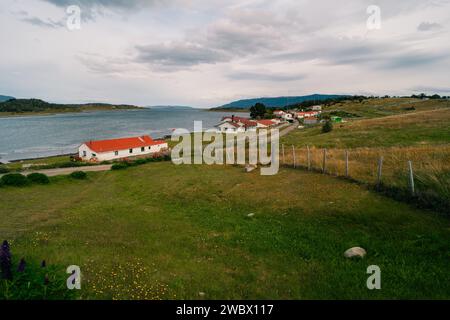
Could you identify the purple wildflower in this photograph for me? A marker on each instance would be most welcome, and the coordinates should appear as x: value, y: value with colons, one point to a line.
x: 22, y: 264
x: 5, y: 261
x: 46, y: 280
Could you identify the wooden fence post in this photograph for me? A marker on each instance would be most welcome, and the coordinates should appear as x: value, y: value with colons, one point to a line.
x: 380, y: 171
x: 309, y: 158
x: 346, y: 164
x: 324, y: 165
x: 411, y: 178
x: 293, y: 156
x: 282, y: 148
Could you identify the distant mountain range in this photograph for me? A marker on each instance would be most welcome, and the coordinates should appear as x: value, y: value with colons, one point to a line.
x: 278, y: 102
x: 5, y: 98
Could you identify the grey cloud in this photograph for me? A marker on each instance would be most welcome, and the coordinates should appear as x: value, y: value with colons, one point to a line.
x: 37, y: 21
x: 102, y: 65
x: 91, y: 9
x: 265, y: 76
x: 413, y: 60
x: 428, y: 89
x: 176, y: 55
x: 381, y: 54
x: 428, y: 26
x: 241, y: 40
x: 102, y: 3
x: 235, y: 37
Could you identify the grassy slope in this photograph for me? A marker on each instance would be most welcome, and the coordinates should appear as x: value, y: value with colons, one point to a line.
x: 372, y: 108
x: 429, y: 127
x: 161, y: 231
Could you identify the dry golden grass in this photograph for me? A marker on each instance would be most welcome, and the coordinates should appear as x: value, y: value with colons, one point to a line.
x: 427, y: 118
x: 431, y: 165
x: 387, y: 106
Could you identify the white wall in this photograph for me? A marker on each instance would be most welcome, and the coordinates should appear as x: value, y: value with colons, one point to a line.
x: 106, y: 156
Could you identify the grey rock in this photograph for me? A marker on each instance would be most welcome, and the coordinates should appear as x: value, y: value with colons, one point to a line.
x: 355, y: 252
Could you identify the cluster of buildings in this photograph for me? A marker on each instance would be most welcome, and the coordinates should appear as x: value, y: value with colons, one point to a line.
x: 307, y: 117
x: 233, y: 124
x: 115, y: 149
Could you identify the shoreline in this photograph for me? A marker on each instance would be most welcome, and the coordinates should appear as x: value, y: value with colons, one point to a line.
x: 5, y: 115
x: 40, y: 158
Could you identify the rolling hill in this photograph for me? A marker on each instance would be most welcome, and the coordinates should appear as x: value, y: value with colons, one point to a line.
x: 275, y: 102
x: 5, y: 98
x: 18, y: 106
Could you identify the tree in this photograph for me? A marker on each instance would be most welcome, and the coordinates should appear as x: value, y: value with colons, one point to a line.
x: 327, y: 127
x: 258, y: 111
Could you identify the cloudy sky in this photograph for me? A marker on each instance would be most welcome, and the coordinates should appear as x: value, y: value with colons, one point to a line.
x: 206, y: 53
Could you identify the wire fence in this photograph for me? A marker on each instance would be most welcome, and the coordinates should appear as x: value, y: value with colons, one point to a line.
x: 422, y: 172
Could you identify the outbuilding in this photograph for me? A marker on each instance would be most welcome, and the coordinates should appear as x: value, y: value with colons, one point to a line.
x: 114, y: 149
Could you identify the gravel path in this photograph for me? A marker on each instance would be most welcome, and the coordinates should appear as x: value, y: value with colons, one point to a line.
x: 66, y: 171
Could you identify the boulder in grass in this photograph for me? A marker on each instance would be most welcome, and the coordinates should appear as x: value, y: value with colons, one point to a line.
x: 250, y: 168
x: 355, y: 252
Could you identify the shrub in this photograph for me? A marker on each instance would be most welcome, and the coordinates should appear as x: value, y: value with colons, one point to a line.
x: 29, y: 280
x: 3, y: 170
x: 140, y: 161
x: 15, y: 179
x: 80, y: 175
x: 327, y: 127
x: 38, y: 178
x: 119, y: 166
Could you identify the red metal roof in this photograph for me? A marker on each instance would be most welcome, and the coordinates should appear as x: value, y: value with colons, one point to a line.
x: 266, y: 122
x: 122, y: 144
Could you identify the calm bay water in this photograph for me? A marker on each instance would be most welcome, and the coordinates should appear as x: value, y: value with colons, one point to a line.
x: 41, y: 136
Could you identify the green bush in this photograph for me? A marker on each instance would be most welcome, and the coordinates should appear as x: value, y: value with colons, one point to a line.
x: 140, y: 161
x: 3, y: 170
x: 119, y: 166
x: 327, y: 127
x: 38, y: 178
x: 80, y: 175
x: 15, y: 179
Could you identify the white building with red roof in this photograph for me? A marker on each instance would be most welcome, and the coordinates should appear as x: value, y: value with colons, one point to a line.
x: 235, y: 124
x: 307, y: 114
x: 266, y: 123
x: 279, y: 113
x: 230, y: 127
x: 114, y: 149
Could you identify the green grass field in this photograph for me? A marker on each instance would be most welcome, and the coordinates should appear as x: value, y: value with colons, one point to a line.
x: 375, y: 108
x: 430, y: 127
x: 161, y: 231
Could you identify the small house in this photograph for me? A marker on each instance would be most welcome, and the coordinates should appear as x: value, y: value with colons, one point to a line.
x: 114, y: 149
x: 229, y: 127
x: 279, y: 113
x: 310, y: 120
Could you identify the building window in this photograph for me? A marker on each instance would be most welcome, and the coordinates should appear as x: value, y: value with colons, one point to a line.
x: 84, y: 154
x: 116, y: 153
x: 131, y: 150
x: 149, y: 148
x: 94, y: 155
x: 142, y: 149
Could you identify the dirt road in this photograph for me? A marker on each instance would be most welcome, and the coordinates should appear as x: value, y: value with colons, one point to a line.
x: 66, y: 171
